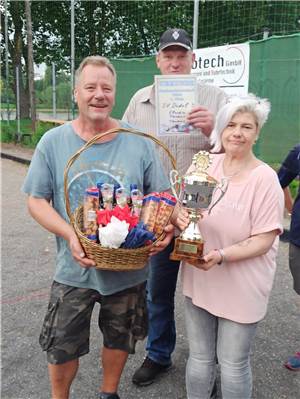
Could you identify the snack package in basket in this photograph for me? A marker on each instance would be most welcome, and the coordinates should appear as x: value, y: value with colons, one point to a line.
x: 165, y: 210
x: 157, y: 210
x: 149, y: 210
x: 90, y: 207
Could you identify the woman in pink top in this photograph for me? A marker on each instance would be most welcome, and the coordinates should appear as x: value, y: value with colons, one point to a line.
x: 226, y: 294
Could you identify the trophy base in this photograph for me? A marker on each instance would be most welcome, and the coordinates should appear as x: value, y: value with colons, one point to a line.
x: 188, y: 250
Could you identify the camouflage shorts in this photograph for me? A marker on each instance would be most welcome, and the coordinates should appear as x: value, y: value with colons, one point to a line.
x: 66, y: 329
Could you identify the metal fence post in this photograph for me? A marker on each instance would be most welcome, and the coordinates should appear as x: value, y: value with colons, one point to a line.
x: 195, y: 24
x: 6, y: 61
x: 19, y: 134
x: 266, y: 33
x: 72, y: 57
x: 53, y: 91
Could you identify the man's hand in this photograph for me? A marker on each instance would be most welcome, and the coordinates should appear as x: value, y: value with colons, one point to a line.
x: 201, y: 118
x: 180, y: 217
x: 78, y: 253
x: 182, y: 220
x: 161, y: 245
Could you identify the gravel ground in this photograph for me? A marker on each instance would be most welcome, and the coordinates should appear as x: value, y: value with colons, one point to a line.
x: 28, y: 254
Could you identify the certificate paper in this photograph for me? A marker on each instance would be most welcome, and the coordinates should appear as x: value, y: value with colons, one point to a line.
x: 175, y: 96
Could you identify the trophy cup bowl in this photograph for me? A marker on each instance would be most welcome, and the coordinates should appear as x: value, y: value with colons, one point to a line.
x: 196, y: 193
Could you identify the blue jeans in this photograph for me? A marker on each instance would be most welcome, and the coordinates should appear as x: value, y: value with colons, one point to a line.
x: 161, y: 287
x: 213, y: 338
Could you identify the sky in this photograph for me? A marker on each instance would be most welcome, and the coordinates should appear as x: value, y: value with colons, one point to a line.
x: 39, y: 71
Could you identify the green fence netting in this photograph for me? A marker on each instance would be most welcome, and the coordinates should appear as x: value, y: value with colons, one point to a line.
x: 274, y: 74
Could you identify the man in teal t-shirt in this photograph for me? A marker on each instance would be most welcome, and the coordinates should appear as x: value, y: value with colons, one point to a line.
x: 119, y: 159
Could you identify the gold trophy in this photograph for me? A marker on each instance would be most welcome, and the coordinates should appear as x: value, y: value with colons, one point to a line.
x: 196, y: 192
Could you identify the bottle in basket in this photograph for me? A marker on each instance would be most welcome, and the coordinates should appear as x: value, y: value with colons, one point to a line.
x: 99, y: 185
x: 107, y: 192
x: 129, y: 199
x: 121, y: 197
x: 90, y: 207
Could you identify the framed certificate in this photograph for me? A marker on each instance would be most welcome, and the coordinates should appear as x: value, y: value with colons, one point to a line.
x: 175, y: 96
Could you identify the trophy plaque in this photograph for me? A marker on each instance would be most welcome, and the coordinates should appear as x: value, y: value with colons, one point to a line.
x: 196, y: 192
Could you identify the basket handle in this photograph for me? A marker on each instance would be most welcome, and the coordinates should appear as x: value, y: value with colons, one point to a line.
x: 94, y: 140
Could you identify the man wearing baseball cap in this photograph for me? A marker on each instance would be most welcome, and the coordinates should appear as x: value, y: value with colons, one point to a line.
x: 175, y: 37
x: 175, y: 56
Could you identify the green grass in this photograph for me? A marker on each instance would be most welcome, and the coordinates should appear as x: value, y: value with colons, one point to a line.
x: 12, y: 107
x: 9, y: 131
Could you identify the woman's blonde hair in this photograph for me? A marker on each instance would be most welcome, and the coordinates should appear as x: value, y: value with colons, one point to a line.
x: 94, y: 60
x: 259, y: 107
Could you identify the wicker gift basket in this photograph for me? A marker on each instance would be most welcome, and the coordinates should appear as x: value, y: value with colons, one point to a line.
x: 119, y: 259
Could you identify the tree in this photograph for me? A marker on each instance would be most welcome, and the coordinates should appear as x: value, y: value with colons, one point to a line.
x: 130, y: 28
x: 30, y: 73
x: 17, y: 52
x: 43, y: 16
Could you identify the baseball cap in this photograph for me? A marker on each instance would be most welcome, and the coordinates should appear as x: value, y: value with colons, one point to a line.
x: 175, y: 37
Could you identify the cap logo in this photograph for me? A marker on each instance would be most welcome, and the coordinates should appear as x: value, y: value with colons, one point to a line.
x: 175, y: 35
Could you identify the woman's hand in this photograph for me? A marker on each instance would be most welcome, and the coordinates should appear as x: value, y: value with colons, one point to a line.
x: 255, y: 245
x: 206, y: 262
x: 161, y: 245
x: 209, y: 260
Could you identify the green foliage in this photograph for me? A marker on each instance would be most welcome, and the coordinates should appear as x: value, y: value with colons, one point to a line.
x: 7, y: 135
x: 3, y: 105
x: 294, y: 187
x: 8, y: 131
x: 132, y: 28
x: 41, y: 128
x: 44, y: 90
x: 222, y: 22
x: 6, y: 93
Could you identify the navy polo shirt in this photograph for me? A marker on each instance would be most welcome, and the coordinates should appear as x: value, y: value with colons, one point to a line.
x: 290, y: 170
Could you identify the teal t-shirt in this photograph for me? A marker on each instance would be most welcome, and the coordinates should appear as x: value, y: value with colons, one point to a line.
x: 127, y: 159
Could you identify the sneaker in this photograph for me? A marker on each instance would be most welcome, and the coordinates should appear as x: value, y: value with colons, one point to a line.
x: 293, y: 362
x: 148, y: 371
x: 102, y: 395
x: 214, y: 391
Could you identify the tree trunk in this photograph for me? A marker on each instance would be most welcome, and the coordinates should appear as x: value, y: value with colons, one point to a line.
x: 30, y: 64
x: 15, y: 48
x: 23, y: 93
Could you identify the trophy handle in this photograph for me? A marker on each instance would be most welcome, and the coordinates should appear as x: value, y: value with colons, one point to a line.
x: 223, y: 188
x: 175, y: 182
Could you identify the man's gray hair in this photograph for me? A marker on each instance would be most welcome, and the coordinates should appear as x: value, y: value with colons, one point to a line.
x: 259, y: 107
x: 94, y: 60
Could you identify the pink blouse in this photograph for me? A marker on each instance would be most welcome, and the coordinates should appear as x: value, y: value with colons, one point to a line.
x: 238, y: 291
